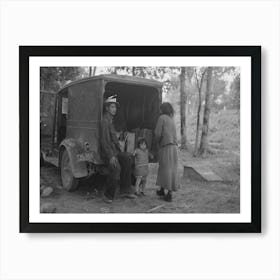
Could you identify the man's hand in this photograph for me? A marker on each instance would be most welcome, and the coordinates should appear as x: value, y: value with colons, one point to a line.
x: 114, y: 162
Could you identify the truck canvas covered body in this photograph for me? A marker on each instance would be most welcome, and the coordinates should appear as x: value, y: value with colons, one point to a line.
x: 73, y: 142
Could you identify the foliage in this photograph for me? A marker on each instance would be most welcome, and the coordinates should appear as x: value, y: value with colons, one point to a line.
x: 53, y: 78
x: 224, y: 97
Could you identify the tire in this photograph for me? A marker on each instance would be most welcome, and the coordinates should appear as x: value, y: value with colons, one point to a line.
x: 69, y: 182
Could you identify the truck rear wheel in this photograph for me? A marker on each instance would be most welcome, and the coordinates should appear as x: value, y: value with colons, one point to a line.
x: 69, y: 182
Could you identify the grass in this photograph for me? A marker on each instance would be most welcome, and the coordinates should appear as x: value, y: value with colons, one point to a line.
x: 224, y: 129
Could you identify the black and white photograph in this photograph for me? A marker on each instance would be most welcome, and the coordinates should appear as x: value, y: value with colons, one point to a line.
x: 139, y: 140
x: 142, y: 136
x: 135, y: 139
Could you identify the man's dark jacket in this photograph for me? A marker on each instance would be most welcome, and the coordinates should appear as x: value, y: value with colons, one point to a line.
x: 110, y: 146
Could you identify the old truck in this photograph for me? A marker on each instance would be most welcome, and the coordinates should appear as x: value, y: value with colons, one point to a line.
x: 74, y: 142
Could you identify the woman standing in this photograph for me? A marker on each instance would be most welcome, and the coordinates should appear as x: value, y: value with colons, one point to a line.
x: 165, y: 134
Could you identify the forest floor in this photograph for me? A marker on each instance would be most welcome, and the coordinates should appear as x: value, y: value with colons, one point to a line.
x: 192, y: 197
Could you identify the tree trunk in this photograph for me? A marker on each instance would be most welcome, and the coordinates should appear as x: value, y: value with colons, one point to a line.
x: 204, y: 136
x: 133, y: 71
x: 183, y: 108
x: 197, y: 122
x: 90, y: 71
x: 94, y: 70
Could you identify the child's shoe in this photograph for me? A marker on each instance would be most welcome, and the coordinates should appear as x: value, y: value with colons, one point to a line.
x: 168, y: 197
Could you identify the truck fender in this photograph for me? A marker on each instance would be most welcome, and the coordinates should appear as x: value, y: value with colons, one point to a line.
x: 73, y: 147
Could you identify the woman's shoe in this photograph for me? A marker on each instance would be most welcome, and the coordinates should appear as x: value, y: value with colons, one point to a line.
x: 168, y: 197
x: 160, y: 192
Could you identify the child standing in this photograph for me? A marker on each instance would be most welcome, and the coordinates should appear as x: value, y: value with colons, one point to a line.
x: 141, y: 165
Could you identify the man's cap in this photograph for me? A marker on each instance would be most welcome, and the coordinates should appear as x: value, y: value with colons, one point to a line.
x: 111, y: 99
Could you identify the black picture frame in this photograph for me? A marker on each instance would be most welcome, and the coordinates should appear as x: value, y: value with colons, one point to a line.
x: 25, y: 52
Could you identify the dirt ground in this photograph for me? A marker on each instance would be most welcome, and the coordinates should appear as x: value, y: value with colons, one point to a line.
x: 192, y: 197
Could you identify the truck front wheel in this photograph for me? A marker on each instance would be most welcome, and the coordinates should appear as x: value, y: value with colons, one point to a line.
x: 69, y: 182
